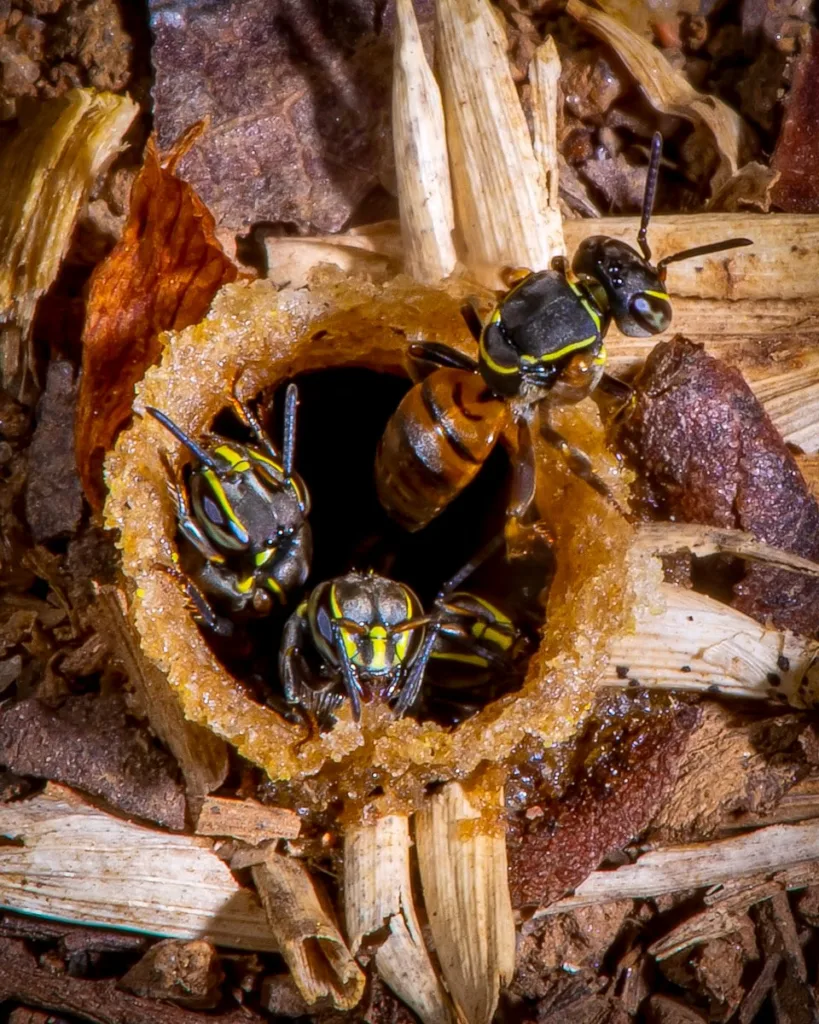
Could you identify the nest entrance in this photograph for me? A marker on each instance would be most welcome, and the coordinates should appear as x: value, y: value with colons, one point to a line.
x: 342, y: 415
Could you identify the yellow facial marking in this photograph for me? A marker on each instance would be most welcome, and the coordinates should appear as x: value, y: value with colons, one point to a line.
x: 601, y: 357
x: 262, y: 557
x: 378, y: 638
x: 658, y: 295
x: 274, y: 587
x: 244, y: 586
x: 350, y: 645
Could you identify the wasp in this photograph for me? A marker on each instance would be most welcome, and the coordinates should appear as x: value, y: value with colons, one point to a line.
x: 243, y: 510
x: 542, y: 345
x: 366, y: 638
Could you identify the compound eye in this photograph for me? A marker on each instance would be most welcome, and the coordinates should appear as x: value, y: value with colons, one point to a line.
x: 650, y: 312
x: 212, y: 511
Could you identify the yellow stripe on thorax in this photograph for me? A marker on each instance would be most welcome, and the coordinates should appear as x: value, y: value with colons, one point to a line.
x: 466, y: 659
x: 550, y: 357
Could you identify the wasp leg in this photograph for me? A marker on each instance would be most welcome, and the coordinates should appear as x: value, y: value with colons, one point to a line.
x: 524, y: 478
x: 526, y: 535
x: 202, y: 610
x: 297, y: 679
x: 472, y: 320
x: 428, y: 356
x: 579, y: 463
x: 287, y: 570
x: 616, y: 401
x: 291, y: 405
x: 471, y: 566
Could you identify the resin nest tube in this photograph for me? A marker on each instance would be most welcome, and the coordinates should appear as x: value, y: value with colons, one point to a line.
x: 264, y: 337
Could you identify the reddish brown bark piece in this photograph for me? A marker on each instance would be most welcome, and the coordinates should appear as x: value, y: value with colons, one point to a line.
x: 296, y: 97
x: 21, y: 980
x: 162, y: 275
x: 708, y: 453
x: 188, y: 973
x: 612, y: 803
x: 797, y: 149
x: 90, y: 744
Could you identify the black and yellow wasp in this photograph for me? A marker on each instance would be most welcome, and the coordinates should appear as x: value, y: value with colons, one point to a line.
x: 543, y: 344
x: 366, y: 638
x: 243, y: 510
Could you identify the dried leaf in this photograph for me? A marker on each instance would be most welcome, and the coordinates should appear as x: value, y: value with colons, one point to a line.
x: 296, y: 95
x: 47, y: 173
x: 162, y: 275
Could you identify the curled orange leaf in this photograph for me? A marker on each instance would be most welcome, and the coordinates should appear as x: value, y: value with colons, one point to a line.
x: 161, y: 275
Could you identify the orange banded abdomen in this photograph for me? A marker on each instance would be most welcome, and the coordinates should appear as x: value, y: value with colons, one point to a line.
x: 435, y: 443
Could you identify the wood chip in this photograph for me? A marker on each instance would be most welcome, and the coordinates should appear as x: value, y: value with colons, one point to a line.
x: 699, y: 865
x: 247, y: 820
x: 75, y: 863
x: 304, y: 929
x: 699, y: 644
x: 421, y: 159
x: 502, y: 210
x: 462, y: 860
x: 378, y: 894
x: 48, y: 171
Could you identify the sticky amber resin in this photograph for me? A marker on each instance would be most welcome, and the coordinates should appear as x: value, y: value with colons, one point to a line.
x: 268, y: 336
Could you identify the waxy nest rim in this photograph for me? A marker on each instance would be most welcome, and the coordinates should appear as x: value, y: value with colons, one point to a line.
x: 266, y: 336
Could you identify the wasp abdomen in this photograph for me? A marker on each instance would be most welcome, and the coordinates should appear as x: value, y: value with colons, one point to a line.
x: 435, y: 443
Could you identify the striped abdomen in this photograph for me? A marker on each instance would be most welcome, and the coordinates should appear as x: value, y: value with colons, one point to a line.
x: 435, y: 443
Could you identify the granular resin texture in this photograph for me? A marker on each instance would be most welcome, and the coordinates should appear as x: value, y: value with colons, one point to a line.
x: 262, y: 337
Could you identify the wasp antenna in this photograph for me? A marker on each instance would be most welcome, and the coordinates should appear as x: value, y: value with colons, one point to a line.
x: 649, y: 194
x: 703, y: 250
x: 291, y: 404
x: 181, y: 436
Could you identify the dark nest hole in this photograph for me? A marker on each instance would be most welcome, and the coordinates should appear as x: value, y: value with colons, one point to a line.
x: 341, y: 417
